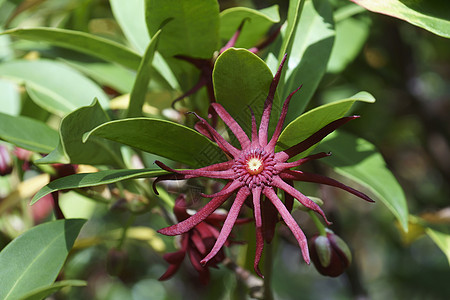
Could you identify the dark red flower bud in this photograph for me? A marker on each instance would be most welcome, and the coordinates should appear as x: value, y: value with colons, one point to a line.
x: 330, y: 254
x: 5, y: 161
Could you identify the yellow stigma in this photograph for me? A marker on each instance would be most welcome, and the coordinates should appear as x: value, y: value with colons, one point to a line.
x: 255, y: 166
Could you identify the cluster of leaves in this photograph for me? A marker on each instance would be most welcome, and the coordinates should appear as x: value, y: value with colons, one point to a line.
x: 100, y: 96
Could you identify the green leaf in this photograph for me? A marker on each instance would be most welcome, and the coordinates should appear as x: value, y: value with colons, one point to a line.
x: 137, y: 97
x: 241, y: 79
x: 160, y: 137
x: 71, y: 149
x: 82, y: 42
x: 433, y: 16
x: 83, y: 180
x: 257, y: 23
x: 441, y: 239
x: 351, y: 34
x: 131, y: 17
x: 43, y: 292
x: 34, y: 259
x: 313, y: 120
x: 358, y: 160
x: 28, y: 133
x: 192, y: 27
x: 53, y: 85
x: 10, y: 97
x: 309, y: 54
x: 288, y: 33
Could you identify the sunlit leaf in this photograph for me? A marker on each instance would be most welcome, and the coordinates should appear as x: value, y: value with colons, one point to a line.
x: 359, y: 160
x: 28, y: 133
x: 433, y: 16
x: 94, y: 179
x: 43, y: 292
x: 54, y: 86
x: 442, y: 240
x: 311, y: 121
x: 257, y: 23
x: 71, y: 148
x: 160, y: 137
x: 308, y: 55
x: 34, y: 259
x: 82, y: 42
x: 137, y: 97
x: 192, y: 26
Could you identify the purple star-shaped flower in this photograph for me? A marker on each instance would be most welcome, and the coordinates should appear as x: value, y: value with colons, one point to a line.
x: 254, y: 171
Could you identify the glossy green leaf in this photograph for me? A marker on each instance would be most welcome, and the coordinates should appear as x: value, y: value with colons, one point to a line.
x: 191, y: 27
x: 309, y: 54
x: 82, y: 42
x: 315, y: 119
x: 112, y: 75
x: 433, y: 16
x: 54, y: 86
x: 359, y: 160
x: 441, y: 239
x: 7, y: 8
x: 34, y: 259
x: 10, y: 97
x: 290, y: 28
x: 28, y: 133
x: 351, y: 34
x: 257, y: 23
x: 131, y: 17
x: 83, y: 180
x: 137, y: 97
x: 43, y: 292
x: 160, y: 137
x: 71, y: 149
x: 242, y: 80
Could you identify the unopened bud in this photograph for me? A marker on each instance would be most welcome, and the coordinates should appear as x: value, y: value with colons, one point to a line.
x: 330, y: 254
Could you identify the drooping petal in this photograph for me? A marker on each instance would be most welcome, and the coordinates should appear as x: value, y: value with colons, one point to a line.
x: 232, y: 124
x: 284, y: 166
x: 316, y: 178
x: 264, y: 125
x: 273, y: 141
x: 270, y: 220
x: 242, y: 194
x: 278, y: 182
x: 221, y: 142
x: 313, y: 139
x: 203, y: 272
x: 195, y: 219
x: 256, y: 192
x: 290, y: 222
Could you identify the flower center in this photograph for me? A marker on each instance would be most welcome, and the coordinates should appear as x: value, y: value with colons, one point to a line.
x: 255, y: 165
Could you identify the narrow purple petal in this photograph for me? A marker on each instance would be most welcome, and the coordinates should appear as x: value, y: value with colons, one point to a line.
x: 316, y: 178
x: 273, y: 141
x: 203, y: 130
x: 229, y: 223
x: 270, y: 220
x: 200, y: 83
x: 167, y: 177
x: 212, y: 171
x: 266, y: 42
x: 288, y: 198
x: 278, y: 182
x: 234, y: 38
x: 264, y: 125
x: 284, y: 166
x: 256, y: 192
x: 221, y: 142
x: 232, y: 124
x: 313, y: 139
x: 255, y: 138
x: 203, y: 272
x: 290, y: 222
x: 200, y: 216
